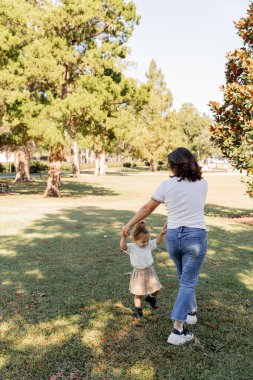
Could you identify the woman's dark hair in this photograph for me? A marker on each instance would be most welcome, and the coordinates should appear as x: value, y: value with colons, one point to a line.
x: 184, y: 165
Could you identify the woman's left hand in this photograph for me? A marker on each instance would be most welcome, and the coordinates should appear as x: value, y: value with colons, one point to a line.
x: 125, y: 230
x: 144, y: 211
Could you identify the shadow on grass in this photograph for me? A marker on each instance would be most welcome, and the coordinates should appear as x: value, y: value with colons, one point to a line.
x: 67, y: 311
x: 70, y: 188
x: 227, y: 212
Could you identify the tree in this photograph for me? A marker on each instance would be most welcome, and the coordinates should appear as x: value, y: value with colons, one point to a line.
x: 63, y: 75
x: 54, y: 171
x: 194, y: 130
x: 116, y: 95
x: 15, y: 34
x: 233, y: 130
x: 152, y: 135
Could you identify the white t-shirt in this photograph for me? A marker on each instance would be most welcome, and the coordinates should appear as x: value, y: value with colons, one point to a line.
x: 185, y: 202
x: 141, y: 257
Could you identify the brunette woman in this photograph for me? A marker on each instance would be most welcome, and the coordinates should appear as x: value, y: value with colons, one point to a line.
x: 184, y: 194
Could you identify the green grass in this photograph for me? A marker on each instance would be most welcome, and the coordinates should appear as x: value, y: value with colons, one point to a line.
x: 66, y: 312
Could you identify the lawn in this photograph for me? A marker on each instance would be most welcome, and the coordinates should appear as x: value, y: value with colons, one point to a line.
x: 65, y: 311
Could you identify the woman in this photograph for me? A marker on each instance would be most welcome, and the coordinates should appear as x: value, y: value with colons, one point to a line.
x: 184, y: 195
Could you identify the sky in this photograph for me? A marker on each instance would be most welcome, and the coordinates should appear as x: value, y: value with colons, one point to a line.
x: 189, y: 40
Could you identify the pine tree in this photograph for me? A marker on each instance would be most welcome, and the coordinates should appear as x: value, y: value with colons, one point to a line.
x: 154, y: 131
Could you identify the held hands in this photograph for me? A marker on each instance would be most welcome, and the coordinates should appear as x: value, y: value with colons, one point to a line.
x: 164, y: 229
x: 123, y: 245
x: 123, y: 236
x: 161, y: 234
x: 125, y: 231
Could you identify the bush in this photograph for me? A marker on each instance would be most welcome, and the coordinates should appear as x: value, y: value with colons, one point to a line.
x: 162, y: 167
x: 112, y: 164
x: 87, y: 166
x: 66, y: 167
x: 2, y: 168
x: 5, y: 167
x: 127, y: 164
x: 37, y: 167
x: 147, y: 163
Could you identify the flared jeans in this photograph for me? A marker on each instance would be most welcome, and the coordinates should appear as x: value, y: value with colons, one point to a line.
x: 187, y: 248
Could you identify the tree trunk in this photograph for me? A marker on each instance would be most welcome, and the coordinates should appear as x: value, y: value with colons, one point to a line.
x: 153, y: 165
x: 75, y: 160
x: 82, y: 157
x: 22, y: 160
x: 54, y: 172
x: 100, y: 164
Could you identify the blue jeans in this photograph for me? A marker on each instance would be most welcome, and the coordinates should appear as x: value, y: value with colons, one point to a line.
x: 187, y: 248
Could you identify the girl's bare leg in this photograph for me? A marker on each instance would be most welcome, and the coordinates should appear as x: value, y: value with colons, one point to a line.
x: 137, y: 301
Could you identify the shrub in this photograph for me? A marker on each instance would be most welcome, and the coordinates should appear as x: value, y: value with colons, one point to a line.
x: 127, y: 164
x: 112, y: 164
x: 5, y: 167
x: 37, y: 167
x: 87, y: 166
x: 66, y: 167
x: 162, y: 167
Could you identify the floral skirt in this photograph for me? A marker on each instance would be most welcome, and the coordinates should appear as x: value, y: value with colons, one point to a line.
x: 144, y: 281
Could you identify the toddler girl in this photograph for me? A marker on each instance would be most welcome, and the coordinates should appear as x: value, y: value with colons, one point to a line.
x: 144, y: 280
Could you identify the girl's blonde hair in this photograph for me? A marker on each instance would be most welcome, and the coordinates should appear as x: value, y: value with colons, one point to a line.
x: 140, y: 228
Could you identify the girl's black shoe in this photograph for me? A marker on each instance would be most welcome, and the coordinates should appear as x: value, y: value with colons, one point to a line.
x: 138, y: 313
x: 152, y: 301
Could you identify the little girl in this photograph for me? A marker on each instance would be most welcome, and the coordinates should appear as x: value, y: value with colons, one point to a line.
x: 144, y: 280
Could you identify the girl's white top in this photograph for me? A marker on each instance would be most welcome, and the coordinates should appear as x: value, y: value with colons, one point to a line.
x: 185, y: 202
x: 141, y: 257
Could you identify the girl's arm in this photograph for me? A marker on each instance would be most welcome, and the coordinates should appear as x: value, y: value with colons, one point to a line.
x: 144, y: 211
x: 161, y: 234
x: 123, y: 245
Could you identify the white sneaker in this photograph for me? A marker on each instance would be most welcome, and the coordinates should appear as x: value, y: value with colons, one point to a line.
x: 191, y: 318
x: 177, y: 338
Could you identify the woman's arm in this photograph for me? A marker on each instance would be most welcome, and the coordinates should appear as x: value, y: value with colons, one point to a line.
x: 144, y: 211
x: 122, y: 243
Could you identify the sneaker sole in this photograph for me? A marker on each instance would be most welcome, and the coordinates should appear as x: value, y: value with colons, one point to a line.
x: 176, y: 342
